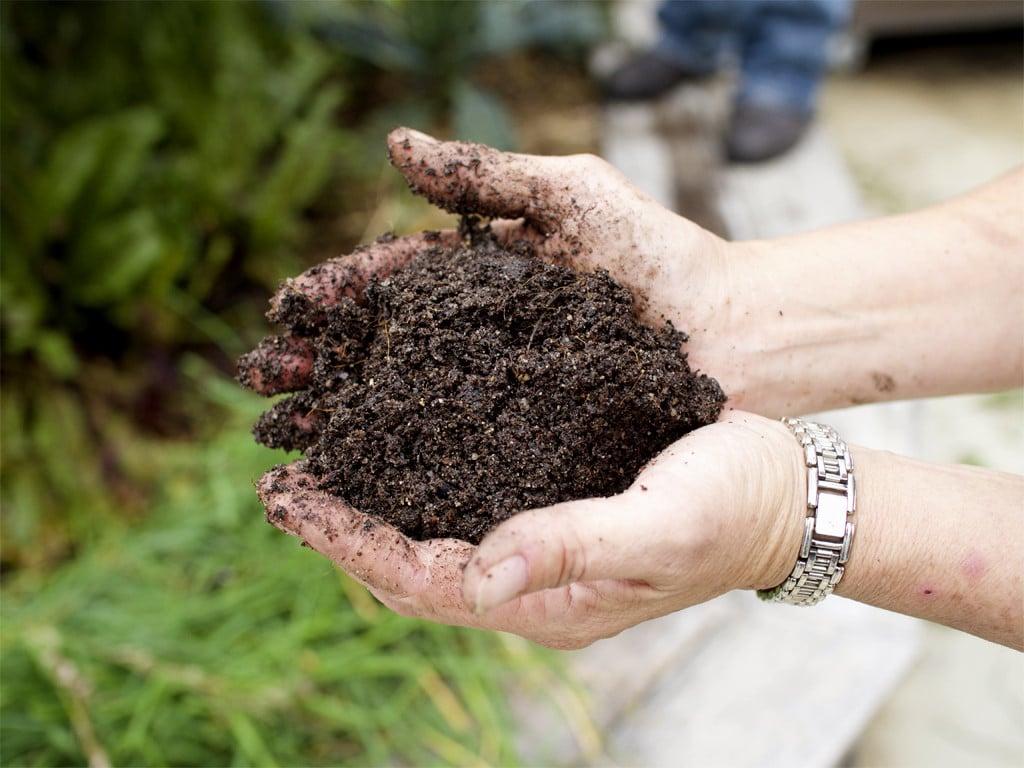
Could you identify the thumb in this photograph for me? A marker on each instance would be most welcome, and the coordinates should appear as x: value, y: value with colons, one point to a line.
x: 469, y: 178
x: 584, y: 540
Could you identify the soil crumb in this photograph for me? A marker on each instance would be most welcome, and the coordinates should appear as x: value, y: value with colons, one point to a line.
x: 479, y: 381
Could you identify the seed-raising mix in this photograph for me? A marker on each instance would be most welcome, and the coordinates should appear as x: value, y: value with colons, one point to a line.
x: 479, y: 381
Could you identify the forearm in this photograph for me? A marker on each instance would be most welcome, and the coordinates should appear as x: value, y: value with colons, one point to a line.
x: 922, y: 304
x: 939, y: 542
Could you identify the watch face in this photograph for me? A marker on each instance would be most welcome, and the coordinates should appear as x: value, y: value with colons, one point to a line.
x: 830, y: 520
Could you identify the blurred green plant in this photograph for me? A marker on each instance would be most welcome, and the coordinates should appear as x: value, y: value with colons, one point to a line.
x: 148, y: 149
x: 163, y: 166
x: 158, y: 158
x: 204, y: 637
x: 438, y: 46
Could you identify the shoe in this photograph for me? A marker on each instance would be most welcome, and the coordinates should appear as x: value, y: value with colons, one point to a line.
x: 646, y: 76
x: 757, y: 133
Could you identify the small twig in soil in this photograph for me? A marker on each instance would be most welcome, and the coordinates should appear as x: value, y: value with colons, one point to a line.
x: 387, y: 338
x: 546, y: 308
x: 318, y: 409
x: 636, y: 383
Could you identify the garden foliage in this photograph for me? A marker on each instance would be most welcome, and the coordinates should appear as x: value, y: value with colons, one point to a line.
x: 157, y: 160
x: 202, y: 637
x: 165, y: 165
x: 437, y: 46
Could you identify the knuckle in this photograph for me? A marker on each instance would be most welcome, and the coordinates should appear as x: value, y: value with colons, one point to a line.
x: 404, y: 605
x: 571, y: 557
x: 589, y: 161
x: 564, y: 642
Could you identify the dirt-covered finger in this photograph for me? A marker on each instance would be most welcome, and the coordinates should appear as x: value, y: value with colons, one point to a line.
x: 300, y: 301
x: 294, y: 424
x: 468, y: 178
x: 372, y: 552
x: 433, y: 590
x: 279, y: 364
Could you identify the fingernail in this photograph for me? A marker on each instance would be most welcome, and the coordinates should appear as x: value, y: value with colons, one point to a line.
x: 278, y: 516
x: 501, y: 583
x: 415, y: 135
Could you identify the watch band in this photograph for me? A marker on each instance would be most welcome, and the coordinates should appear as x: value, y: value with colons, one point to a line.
x: 828, y: 529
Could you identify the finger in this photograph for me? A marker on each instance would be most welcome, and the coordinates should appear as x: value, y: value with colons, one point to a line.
x: 304, y: 297
x: 469, y: 178
x: 588, y: 540
x: 373, y: 553
x: 279, y: 364
x: 391, y: 565
x: 424, y: 578
x: 293, y: 424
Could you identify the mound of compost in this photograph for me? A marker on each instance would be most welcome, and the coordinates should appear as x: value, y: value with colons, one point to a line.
x: 479, y: 381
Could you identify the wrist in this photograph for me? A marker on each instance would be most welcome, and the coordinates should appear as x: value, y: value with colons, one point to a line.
x: 684, y: 277
x: 772, y: 503
x: 786, y: 342
x: 734, y: 323
x: 829, y: 524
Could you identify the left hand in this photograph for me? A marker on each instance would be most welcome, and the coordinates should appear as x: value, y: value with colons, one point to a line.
x: 720, y: 509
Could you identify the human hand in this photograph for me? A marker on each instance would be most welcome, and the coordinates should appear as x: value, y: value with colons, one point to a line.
x: 576, y: 211
x: 579, y: 211
x: 720, y: 509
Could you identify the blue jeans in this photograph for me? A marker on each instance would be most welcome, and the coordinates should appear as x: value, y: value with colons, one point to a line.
x: 779, y: 46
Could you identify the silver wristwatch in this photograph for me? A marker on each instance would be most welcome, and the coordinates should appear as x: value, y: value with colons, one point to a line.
x: 828, y: 529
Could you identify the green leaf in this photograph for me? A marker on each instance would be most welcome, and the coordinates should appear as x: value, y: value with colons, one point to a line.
x: 304, y: 165
x: 72, y: 161
x: 98, y: 162
x: 116, y: 256
x: 479, y: 116
x: 517, y: 24
x: 54, y: 350
x: 23, y: 304
x: 129, y: 138
x: 375, y: 32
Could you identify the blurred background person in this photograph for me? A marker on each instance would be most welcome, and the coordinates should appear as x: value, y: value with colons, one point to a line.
x: 780, y: 50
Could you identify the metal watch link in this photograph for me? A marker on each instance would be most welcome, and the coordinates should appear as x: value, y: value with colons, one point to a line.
x: 828, y: 529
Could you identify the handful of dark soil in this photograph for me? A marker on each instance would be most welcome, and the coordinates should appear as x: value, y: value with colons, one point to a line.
x: 478, y: 382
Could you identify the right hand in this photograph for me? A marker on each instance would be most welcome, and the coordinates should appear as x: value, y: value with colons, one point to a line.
x: 718, y: 510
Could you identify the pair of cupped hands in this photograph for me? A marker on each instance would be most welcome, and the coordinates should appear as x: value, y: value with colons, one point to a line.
x: 717, y: 510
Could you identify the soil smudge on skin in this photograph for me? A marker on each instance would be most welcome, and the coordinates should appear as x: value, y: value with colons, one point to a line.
x: 478, y: 381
